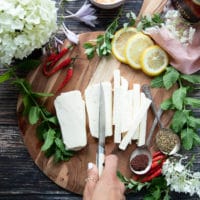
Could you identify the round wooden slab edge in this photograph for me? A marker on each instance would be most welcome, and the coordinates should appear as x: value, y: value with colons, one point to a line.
x: 71, y: 175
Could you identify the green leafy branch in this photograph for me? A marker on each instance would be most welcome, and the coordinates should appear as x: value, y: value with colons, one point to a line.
x: 183, y: 122
x: 157, y: 189
x: 102, y: 44
x: 47, y: 124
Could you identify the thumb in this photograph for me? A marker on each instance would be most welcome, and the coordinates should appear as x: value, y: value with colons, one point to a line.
x: 91, y: 181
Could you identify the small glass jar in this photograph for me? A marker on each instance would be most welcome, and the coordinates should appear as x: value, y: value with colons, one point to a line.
x: 189, y: 9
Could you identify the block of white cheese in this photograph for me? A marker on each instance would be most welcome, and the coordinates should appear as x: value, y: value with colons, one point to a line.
x: 135, y: 124
x: 70, y: 110
x: 92, y: 93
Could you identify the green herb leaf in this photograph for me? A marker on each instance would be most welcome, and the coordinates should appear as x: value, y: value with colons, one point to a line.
x: 49, y: 140
x: 191, y: 78
x: 178, y: 121
x: 167, y: 104
x: 195, y: 103
x: 178, y: 97
x: 170, y: 77
x: 34, y: 114
x: 193, y: 122
x: 187, y: 138
x: 157, y: 82
x: 89, y: 50
x: 5, y: 76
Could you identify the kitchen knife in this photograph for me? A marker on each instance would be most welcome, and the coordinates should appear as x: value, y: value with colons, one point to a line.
x: 102, y: 129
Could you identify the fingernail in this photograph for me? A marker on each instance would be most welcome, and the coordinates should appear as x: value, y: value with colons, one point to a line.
x: 90, y: 165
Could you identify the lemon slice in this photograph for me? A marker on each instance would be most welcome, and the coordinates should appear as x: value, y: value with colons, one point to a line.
x: 134, y: 48
x: 119, y: 42
x: 154, y: 60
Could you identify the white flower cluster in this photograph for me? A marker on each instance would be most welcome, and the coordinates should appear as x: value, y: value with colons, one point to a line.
x: 180, y: 178
x: 178, y: 27
x: 25, y: 25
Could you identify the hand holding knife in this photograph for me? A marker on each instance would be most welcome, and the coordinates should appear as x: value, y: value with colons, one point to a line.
x: 101, y: 134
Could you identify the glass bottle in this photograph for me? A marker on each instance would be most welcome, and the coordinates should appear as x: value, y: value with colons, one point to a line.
x: 189, y: 9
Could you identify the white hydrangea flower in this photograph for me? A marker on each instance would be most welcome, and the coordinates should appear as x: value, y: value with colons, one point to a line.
x: 180, y: 178
x: 25, y: 25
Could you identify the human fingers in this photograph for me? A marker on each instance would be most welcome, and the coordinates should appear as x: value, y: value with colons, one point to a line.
x: 91, y: 180
x: 111, y: 162
x: 110, y: 171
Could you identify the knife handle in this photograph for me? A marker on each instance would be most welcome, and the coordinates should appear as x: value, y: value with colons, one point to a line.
x: 100, y: 159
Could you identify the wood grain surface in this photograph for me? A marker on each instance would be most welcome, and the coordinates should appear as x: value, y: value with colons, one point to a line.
x: 71, y: 175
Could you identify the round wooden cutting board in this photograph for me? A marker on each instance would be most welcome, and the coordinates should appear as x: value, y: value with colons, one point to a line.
x: 71, y: 175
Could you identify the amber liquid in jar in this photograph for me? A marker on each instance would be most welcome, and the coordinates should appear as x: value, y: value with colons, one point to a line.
x: 189, y: 9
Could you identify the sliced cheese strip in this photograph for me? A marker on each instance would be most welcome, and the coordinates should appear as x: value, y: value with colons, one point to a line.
x: 92, y: 104
x: 136, y: 106
x: 116, y: 87
x: 70, y: 110
x: 143, y: 124
x: 124, y: 107
x: 107, y: 88
x: 135, y: 124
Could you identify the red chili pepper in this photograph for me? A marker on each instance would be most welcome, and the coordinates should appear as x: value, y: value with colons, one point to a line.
x: 67, y: 78
x: 156, y: 164
x: 57, y: 68
x: 161, y: 157
x: 153, y: 175
x: 51, y: 62
x: 157, y: 153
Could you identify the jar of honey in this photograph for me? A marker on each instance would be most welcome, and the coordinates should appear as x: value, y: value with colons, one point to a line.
x: 189, y: 9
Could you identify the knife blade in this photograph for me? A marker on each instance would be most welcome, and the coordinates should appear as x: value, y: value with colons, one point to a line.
x: 101, y: 133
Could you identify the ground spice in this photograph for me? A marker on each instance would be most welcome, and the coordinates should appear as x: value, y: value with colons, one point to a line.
x: 139, y: 162
x: 166, y: 141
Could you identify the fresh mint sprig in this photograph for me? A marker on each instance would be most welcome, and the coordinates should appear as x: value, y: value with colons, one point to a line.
x: 156, y: 189
x: 184, y: 123
x: 47, y: 130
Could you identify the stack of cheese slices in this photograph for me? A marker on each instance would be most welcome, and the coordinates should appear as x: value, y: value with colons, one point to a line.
x: 125, y: 113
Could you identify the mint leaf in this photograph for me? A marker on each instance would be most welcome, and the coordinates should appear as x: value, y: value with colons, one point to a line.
x: 49, y: 140
x: 178, y: 121
x: 178, y: 97
x: 34, y: 114
x: 170, y: 77
x: 167, y: 104
x: 195, y: 103
x: 157, y: 82
x: 187, y: 138
x: 191, y: 78
x: 193, y: 122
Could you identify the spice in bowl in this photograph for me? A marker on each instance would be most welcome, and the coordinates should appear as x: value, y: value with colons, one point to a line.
x: 167, y: 142
x: 139, y: 162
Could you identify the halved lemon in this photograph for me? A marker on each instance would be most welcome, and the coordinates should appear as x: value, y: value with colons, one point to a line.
x: 119, y: 42
x: 154, y: 60
x: 134, y: 48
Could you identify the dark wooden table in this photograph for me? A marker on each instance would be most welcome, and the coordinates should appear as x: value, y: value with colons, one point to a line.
x: 20, y: 178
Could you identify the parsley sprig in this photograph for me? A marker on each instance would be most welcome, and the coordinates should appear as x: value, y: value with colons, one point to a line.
x: 47, y: 130
x: 102, y: 44
x: 184, y: 123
